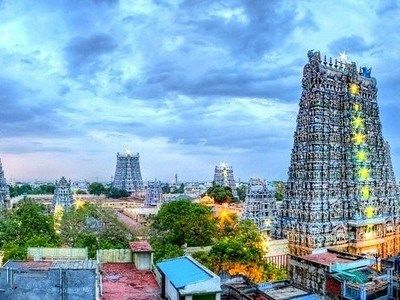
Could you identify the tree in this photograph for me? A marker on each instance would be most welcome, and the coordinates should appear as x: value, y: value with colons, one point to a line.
x: 116, y: 193
x: 241, y: 191
x: 243, y: 243
x: 181, y: 223
x: 27, y: 225
x: 166, y: 189
x: 94, y: 227
x: 279, y: 190
x: 97, y: 188
x: 220, y: 194
x: 179, y: 190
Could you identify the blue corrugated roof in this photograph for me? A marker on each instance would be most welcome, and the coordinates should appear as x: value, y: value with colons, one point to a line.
x: 182, y: 271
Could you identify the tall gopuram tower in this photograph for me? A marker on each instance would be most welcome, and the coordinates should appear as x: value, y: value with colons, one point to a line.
x: 260, y: 204
x: 341, y: 189
x: 62, y: 194
x: 127, y: 173
x: 223, y: 176
x: 4, y: 190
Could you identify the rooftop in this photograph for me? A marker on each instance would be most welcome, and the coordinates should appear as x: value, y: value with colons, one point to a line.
x: 140, y: 246
x: 289, y: 292
x: 46, y: 265
x: 329, y: 258
x: 182, y: 271
x: 124, y: 281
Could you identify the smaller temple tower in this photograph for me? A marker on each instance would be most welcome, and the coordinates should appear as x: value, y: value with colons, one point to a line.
x: 127, y: 173
x: 62, y: 194
x: 260, y: 204
x: 153, y: 193
x: 4, y: 190
x: 223, y: 176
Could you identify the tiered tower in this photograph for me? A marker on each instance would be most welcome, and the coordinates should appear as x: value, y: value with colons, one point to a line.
x: 260, y: 204
x: 341, y: 189
x: 4, y: 190
x: 62, y: 194
x: 127, y: 173
x: 153, y: 193
x: 223, y: 176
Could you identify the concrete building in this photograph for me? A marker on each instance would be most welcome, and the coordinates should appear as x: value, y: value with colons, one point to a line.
x: 49, y: 280
x: 142, y: 255
x: 185, y: 278
x: 62, y: 194
x: 339, y: 275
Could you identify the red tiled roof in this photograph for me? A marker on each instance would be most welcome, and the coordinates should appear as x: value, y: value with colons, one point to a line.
x: 326, y: 258
x: 123, y: 281
x: 140, y: 246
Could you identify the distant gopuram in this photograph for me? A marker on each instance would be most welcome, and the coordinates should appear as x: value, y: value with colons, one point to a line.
x: 223, y: 176
x: 62, y: 194
x: 127, y: 173
x: 260, y: 204
x: 153, y: 193
x: 4, y: 190
x: 341, y: 189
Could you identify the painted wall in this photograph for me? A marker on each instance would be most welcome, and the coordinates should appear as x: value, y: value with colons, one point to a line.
x: 143, y: 261
x: 47, y: 284
x: 170, y: 292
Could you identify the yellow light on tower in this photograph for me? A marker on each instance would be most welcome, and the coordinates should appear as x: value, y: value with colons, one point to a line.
x: 369, y: 232
x: 361, y: 155
x: 359, y: 138
x: 57, y: 217
x: 357, y: 106
x: 358, y: 122
x: 365, y: 192
x: 369, y: 211
x: 363, y: 173
x: 354, y: 89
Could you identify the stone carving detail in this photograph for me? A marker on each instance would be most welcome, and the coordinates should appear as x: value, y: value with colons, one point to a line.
x: 127, y: 173
x: 326, y: 203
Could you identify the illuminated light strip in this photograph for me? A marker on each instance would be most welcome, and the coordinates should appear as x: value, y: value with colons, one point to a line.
x: 359, y: 139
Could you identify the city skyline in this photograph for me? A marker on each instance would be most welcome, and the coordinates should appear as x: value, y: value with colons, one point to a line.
x: 185, y: 85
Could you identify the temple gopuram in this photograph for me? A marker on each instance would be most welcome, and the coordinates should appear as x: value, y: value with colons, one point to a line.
x: 341, y: 192
x: 127, y: 173
x: 4, y: 190
x: 62, y: 194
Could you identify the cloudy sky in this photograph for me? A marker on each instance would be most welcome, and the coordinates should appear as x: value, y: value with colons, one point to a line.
x: 185, y: 83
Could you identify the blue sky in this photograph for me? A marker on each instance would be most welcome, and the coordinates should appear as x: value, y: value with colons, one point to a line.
x: 185, y: 83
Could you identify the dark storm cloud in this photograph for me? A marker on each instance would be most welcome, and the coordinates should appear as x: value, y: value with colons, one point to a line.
x: 23, y: 117
x: 181, y: 71
x: 351, y: 44
x: 265, y: 24
x: 84, y: 54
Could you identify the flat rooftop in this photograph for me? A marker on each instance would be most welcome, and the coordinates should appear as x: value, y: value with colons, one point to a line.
x: 289, y: 292
x: 54, y: 264
x: 182, y: 271
x: 123, y: 281
x: 329, y: 258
